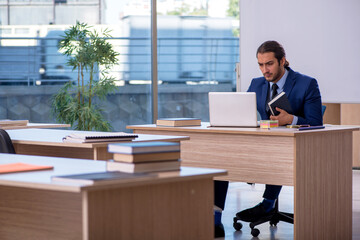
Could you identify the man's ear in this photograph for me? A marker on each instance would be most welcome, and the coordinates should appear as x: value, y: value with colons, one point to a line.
x: 282, y: 61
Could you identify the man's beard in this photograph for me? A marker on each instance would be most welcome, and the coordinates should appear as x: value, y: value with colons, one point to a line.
x: 275, y: 77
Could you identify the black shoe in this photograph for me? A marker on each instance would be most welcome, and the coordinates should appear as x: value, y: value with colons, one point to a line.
x: 219, y: 231
x: 254, y: 214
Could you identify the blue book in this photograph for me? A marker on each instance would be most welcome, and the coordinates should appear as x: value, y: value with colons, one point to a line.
x: 143, y: 147
x: 311, y: 128
x: 99, y: 177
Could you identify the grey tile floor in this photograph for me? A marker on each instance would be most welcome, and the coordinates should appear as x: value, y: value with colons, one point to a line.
x: 242, y: 195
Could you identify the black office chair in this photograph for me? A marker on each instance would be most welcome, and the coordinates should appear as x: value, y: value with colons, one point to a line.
x: 323, y: 108
x: 6, y: 145
x: 273, y: 218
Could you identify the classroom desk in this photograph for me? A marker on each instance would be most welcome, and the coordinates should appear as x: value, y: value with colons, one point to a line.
x: 37, y: 125
x: 318, y: 163
x: 48, y: 142
x: 172, y: 205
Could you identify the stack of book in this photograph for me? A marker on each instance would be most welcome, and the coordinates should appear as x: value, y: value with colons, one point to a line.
x: 144, y: 157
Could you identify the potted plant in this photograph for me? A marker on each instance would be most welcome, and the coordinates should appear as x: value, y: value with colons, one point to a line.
x: 91, y: 55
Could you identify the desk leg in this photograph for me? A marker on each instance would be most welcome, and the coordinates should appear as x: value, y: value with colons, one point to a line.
x: 101, y: 153
x: 323, y: 186
x: 175, y: 210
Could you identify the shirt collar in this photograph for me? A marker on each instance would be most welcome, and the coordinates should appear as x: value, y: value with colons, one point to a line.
x: 281, y: 82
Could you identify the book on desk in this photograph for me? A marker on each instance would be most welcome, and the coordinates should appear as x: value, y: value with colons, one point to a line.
x: 178, y: 122
x: 143, y: 147
x: 91, y: 137
x: 100, y: 177
x: 22, y: 167
x: 8, y: 122
x: 146, y: 157
x: 144, y: 167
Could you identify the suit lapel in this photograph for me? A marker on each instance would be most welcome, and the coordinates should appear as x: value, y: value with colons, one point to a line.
x: 289, y: 83
x: 264, y: 94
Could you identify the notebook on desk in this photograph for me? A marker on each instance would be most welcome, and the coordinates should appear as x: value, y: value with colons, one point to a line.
x: 233, y: 109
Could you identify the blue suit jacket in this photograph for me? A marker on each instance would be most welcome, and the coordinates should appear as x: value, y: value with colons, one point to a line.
x: 303, y: 94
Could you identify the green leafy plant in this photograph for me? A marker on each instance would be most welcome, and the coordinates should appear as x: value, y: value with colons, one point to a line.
x: 91, y: 55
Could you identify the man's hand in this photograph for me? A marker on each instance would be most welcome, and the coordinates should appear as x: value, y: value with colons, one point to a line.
x: 284, y: 118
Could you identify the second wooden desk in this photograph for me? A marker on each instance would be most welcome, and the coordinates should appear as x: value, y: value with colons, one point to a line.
x: 48, y: 142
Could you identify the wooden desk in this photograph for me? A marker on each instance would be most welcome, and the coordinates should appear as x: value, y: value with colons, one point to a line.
x: 318, y: 163
x: 38, y: 125
x: 48, y: 142
x: 173, y: 205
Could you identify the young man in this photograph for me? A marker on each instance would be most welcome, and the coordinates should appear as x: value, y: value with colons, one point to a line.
x: 305, y: 99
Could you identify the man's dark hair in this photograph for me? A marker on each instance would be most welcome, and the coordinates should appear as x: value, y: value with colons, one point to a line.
x: 276, y: 48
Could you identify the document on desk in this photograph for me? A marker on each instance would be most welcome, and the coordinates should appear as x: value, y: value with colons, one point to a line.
x: 22, y: 167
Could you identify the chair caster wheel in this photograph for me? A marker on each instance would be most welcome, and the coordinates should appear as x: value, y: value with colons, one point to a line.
x: 237, y: 225
x: 255, y: 232
x: 273, y: 223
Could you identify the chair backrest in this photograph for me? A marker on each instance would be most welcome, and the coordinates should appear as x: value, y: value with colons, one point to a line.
x: 323, y: 109
x: 6, y: 145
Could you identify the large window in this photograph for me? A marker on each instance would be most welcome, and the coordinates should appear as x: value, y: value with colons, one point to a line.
x: 197, y: 53
x: 197, y: 49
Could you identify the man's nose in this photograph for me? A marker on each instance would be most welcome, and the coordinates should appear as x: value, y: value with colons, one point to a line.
x: 265, y: 69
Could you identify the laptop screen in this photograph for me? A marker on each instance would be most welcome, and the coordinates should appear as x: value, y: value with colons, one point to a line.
x: 232, y: 109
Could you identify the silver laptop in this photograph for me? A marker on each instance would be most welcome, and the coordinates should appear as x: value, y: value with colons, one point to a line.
x: 233, y: 109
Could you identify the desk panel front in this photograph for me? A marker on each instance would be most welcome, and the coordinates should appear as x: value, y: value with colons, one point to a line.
x: 316, y: 162
x: 248, y: 158
x: 172, y: 205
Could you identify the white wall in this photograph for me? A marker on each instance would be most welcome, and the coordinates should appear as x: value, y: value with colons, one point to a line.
x: 321, y: 39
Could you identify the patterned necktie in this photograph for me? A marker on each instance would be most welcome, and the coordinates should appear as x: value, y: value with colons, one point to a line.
x: 274, y: 90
